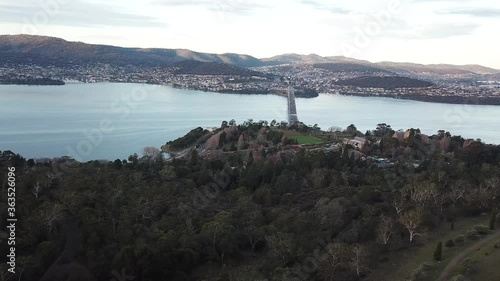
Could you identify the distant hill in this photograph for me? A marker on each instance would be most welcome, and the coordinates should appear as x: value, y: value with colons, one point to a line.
x: 54, y: 51
x: 335, y: 63
x: 211, y: 68
x: 390, y: 82
x: 294, y: 59
x: 438, y: 69
x: 310, y: 59
x: 42, y: 50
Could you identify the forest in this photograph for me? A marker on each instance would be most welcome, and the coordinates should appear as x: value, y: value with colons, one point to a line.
x: 251, y: 214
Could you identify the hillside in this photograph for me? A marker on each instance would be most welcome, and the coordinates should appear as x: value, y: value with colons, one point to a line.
x: 350, y: 67
x: 294, y: 59
x: 438, y: 69
x: 211, y: 68
x: 54, y: 51
x: 391, y: 82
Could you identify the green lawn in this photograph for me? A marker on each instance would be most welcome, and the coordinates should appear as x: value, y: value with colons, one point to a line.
x: 303, y: 138
x: 308, y: 140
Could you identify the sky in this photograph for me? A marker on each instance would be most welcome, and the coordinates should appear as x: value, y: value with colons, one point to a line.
x: 420, y: 31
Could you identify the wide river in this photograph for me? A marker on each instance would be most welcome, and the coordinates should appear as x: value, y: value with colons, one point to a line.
x: 111, y: 121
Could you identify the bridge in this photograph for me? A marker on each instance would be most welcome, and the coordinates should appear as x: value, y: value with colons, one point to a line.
x: 292, y: 108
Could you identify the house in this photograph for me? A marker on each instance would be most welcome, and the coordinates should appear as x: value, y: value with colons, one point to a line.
x: 358, y: 143
x: 400, y: 135
x: 211, y: 129
x: 404, y: 135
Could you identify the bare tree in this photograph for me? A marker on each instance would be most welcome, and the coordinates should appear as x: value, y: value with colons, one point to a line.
x: 334, y: 129
x: 254, y: 235
x: 358, y: 258
x: 398, y: 203
x: 485, y: 194
x: 422, y: 193
x: 37, y: 189
x: 4, y: 273
x: 411, y: 220
x: 335, y: 258
x: 457, y: 191
x: 51, y: 216
x: 152, y: 153
x: 441, y: 199
x: 481, y: 195
x: 385, y: 229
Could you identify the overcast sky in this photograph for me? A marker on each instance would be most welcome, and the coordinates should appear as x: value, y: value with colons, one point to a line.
x: 422, y: 31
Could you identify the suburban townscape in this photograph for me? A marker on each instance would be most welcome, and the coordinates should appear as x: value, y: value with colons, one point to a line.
x: 309, y: 75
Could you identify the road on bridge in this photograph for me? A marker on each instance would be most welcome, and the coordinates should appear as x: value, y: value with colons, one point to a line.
x: 292, y: 108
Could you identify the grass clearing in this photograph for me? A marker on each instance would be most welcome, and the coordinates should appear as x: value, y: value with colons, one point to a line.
x: 401, y: 264
x: 486, y: 263
x: 303, y: 138
x: 309, y: 140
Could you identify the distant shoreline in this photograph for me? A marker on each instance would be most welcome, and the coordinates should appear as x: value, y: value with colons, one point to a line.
x: 435, y: 99
x: 32, y: 82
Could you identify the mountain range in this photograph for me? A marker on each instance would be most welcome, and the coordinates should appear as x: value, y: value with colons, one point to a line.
x: 43, y: 50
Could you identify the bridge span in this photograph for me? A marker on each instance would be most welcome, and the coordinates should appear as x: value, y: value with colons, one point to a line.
x: 292, y: 108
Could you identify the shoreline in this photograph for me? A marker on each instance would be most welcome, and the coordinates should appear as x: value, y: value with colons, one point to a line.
x: 491, y: 101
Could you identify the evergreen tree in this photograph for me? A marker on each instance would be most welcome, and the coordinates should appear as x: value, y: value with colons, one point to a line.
x: 222, y: 139
x: 439, y: 252
x: 250, y: 158
x: 493, y: 219
x: 194, y: 157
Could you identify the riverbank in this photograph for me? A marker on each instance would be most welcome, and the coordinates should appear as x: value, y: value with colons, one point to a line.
x: 435, y: 99
x: 32, y: 81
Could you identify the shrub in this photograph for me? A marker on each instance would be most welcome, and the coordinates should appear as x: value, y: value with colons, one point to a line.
x: 460, y: 239
x: 472, y: 235
x: 450, y: 244
x: 482, y: 229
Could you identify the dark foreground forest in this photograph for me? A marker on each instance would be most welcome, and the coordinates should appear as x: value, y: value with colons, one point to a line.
x: 263, y: 209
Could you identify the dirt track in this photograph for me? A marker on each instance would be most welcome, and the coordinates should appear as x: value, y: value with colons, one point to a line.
x: 458, y: 259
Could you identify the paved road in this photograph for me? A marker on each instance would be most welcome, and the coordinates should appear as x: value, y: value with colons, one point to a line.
x: 186, y: 152
x: 445, y: 275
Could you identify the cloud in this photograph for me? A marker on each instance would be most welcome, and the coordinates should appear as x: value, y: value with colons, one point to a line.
x: 74, y: 13
x: 473, y: 12
x: 226, y: 6
x: 442, y: 1
x: 324, y: 7
x: 432, y: 31
x: 448, y: 30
